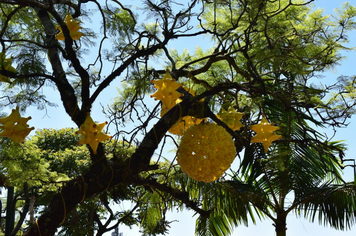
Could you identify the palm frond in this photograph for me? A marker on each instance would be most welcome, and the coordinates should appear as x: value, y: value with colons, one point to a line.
x: 335, y: 205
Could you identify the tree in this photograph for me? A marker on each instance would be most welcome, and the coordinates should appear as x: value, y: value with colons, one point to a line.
x: 292, y: 167
x: 39, y: 169
x: 302, y: 170
x: 264, y: 59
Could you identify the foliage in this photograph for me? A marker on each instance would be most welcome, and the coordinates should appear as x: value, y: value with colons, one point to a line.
x: 263, y: 60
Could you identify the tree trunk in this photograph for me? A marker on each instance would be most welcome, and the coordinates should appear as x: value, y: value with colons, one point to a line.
x: 10, y: 211
x: 280, y: 224
x: 91, y: 219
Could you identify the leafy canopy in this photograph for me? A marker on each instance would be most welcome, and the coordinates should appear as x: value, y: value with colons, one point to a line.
x: 263, y: 60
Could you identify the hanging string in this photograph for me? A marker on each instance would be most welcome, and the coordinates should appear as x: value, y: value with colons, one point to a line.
x: 64, y: 209
x: 38, y: 228
x: 75, y: 109
x: 84, y: 189
x: 214, y: 16
x: 154, y: 131
x: 180, y: 111
x: 112, y: 177
x: 101, y: 158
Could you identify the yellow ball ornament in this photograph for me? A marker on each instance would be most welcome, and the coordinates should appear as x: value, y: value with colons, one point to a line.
x: 206, y: 152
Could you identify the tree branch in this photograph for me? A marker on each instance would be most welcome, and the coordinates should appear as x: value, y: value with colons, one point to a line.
x: 66, y: 91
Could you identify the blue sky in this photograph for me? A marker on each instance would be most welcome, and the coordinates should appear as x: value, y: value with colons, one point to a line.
x: 184, y: 225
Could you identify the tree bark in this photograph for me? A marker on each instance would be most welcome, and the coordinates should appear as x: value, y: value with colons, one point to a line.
x: 280, y: 224
x: 100, y: 177
x: 103, y: 175
x: 10, y: 211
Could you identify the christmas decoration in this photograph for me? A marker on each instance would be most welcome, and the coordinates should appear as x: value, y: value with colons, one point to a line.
x: 206, y: 151
x: 92, y: 133
x: 15, y: 127
x: 73, y: 27
x: 167, y: 90
x: 5, y: 65
x: 231, y: 118
x: 264, y: 133
x: 183, y: 124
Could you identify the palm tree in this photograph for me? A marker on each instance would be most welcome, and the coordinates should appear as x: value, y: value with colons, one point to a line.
x: 302, y: 166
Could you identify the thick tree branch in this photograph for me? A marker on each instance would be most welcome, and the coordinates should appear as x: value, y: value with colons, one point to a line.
x: 71, y: 54
x: 66, y: 91
x: 103, y: 175
x: 99, y: 178
x: 141, y: 158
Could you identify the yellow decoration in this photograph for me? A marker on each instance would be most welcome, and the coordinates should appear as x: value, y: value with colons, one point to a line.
x: 92, y: 133
x: 5, y: 64
x: 15, y: 127
x: 231, y: 118
x: 265, y: 133
x: 183, y: 124
x: 167, y: 90
x: 73, y: 27
x: 164, y: 110
x: 206, y: 151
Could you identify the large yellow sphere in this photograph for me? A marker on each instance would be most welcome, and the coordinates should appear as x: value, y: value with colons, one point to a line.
x: 206, y: 152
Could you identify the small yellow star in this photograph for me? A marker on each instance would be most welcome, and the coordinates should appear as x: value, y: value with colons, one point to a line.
x: 231, y: 118
x: 5, y: 64
x: 20, y: 132
x: 15, y: 127
x: 167, y: 90
x: 265, y: 133
x: 92, y: 133
x: 73, y: 27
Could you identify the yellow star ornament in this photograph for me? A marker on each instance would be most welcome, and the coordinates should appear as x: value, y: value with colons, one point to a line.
x: 231, y: 118
x: 15, y: 127
x: 184, y: 122
x: 5, y: 65
x: 73, y: 27
x: 265, y: 133
x: 92, y: 133
x: 167, y: 90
